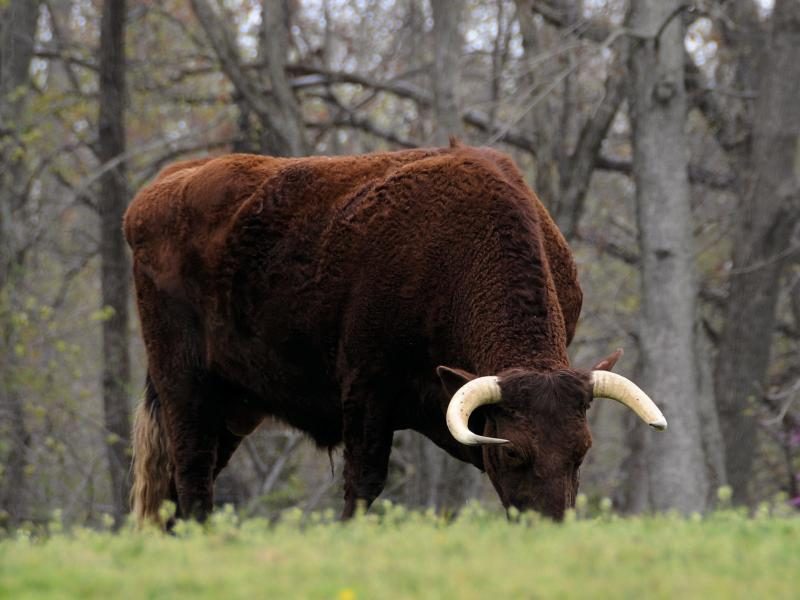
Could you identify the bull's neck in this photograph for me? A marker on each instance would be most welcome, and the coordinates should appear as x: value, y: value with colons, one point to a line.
x: 535, y: 346
x: 511, y: 317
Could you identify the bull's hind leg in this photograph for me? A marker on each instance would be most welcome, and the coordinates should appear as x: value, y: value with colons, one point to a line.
x: 367, y: 444
x: 207, y: 428
x: 193, y: 420
x: 201, y: 434
x: 188, y: 404
x: 226, y: 444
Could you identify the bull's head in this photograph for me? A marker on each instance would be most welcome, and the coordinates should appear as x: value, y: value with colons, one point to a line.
x: 536, y: 434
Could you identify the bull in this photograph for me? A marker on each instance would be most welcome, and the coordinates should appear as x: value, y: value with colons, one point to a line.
x: 352, y: 297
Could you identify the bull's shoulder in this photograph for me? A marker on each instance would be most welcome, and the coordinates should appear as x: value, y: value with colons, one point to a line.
x: 181, y: 165
x: 560, y: 258
x: 175, y: 220
x: 150, y: 209
x: 194, y: 194
x: 217, y: 189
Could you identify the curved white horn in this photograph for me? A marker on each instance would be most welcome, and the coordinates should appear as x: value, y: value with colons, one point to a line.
x: 610, y: 385
x: 471, y: 395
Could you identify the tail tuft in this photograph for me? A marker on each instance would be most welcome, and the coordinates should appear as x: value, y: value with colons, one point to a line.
x: 152, y: 469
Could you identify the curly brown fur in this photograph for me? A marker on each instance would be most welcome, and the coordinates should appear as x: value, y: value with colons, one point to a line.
x: 325, y: 291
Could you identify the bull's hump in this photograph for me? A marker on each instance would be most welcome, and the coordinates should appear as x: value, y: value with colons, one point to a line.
x: 221, y: 185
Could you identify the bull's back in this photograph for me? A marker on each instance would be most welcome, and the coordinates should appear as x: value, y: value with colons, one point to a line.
x: 239, y: 234
x: 271, y: 254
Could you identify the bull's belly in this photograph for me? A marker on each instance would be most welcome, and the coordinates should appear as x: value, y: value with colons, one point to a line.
x: 318, y: 415
x: 293, y: 387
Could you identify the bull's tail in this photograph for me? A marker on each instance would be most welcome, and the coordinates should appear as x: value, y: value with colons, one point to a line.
x: 151, y: 465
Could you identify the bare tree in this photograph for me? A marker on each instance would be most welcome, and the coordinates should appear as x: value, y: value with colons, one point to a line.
x: 288, y: 128
x: 446, y: 51
x: 564, y: 168
x: 276, y: 107
x: 17, y: 31
x: 769, y: 207
x: 113, y: 199
x: 677, y: 477
x: 375, y: 75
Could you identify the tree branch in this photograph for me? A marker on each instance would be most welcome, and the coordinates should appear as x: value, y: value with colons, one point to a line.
x: 316, y: 76
x: 580, y: 165
x: 221, y: 39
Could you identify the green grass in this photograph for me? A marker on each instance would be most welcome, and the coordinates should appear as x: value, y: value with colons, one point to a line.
x: 410, y: 555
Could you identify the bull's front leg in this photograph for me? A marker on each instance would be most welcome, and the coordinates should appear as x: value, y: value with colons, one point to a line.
x: 367, y: 444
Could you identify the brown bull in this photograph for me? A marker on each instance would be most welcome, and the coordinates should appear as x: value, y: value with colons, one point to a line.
x: 327, y: 292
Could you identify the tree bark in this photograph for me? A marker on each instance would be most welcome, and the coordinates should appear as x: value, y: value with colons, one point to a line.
x: 632, y: 496
x: 769, y: 210
x: 114, y: 260
x: 676, y: 464
x: 710, y: 428
x: 17, y: 32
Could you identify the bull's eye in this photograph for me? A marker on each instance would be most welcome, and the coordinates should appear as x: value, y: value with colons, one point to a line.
x: 513, y: 455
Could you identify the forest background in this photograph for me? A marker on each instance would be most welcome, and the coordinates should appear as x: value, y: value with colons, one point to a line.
x: 663, y: 136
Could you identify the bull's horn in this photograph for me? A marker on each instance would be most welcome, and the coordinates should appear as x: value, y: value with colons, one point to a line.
x: 610, y: 385
x: 471, y: 395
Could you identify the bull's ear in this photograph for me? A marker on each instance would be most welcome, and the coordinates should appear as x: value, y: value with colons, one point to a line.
x: 453, y: 379
x: 609, y: 361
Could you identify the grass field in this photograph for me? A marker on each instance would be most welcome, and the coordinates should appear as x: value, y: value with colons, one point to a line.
x: 397, y: 554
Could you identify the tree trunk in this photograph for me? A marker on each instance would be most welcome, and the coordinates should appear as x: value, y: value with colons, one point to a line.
x: 769, y: 209
x: 17, y: 31
x: 278, y: 111
x: 632, y: 496
x: 286, y: 131
x: 446, y: 52
x: 676, y: 464
x: 710, y: 429
x: 114, y: 269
